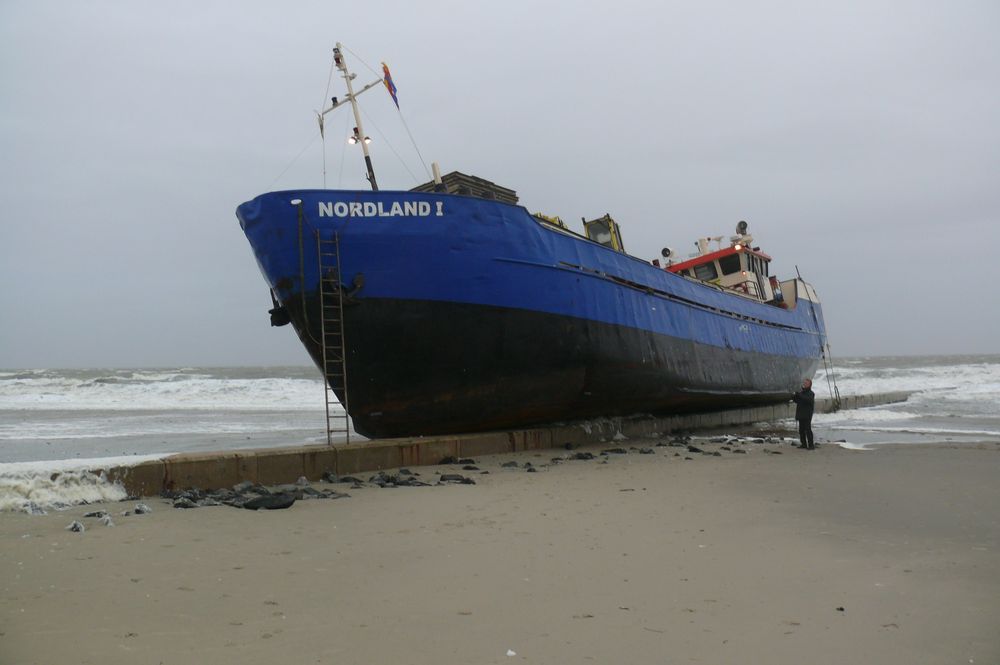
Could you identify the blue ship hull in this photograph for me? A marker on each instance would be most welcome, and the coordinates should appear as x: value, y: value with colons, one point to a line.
x: 468, y: 314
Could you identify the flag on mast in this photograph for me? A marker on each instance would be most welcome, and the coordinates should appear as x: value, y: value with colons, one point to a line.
x: 389, y: 85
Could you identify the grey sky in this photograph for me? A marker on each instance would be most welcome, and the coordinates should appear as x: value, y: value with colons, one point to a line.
x: 859, y: 139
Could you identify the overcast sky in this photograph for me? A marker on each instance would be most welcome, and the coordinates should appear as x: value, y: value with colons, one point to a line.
x: 860, y: 140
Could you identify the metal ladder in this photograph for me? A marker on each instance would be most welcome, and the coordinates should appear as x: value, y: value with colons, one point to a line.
x: 331, y: 304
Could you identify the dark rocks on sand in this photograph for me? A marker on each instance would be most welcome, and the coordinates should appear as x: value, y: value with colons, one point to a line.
x: 694, y: 449
x: 352, y: 480
x: 270, y: 502
x: 614, y: 451
x: 76, y: 527
x: 184, y: 502
x: 740, y: 451
x: 142, y: 509
x: 646, y: 451
x: 583, y: 456
x: 466, y: 460
x: 510, y: 465
x: 470, y: 467
x: 448, y: 459
x: 95, y: 513
x: 385, y: 480
x: 455, y: 478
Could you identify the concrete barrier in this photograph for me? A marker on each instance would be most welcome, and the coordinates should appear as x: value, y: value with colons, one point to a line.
x: 285, y: 465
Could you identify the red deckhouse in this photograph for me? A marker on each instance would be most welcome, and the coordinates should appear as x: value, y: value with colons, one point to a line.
x: 740, y: 267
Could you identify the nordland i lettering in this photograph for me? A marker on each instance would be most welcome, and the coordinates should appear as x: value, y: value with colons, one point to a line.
x: 380, y: 209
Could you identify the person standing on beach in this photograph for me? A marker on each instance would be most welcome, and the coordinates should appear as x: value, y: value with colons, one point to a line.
x: 805, y: 402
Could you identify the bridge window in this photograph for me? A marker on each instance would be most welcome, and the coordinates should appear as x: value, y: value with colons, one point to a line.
x: 706, y: 271
x: 730, y: 264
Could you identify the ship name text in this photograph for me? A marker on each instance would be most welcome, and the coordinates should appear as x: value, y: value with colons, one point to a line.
x: 380, y: 209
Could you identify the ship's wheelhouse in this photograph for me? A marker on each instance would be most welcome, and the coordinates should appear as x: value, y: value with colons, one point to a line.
x: 739, y: 267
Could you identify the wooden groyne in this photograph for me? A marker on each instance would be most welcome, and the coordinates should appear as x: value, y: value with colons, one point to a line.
x: 271, y: 466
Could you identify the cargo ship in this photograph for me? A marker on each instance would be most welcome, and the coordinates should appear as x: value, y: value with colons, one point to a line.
x: 450, y: 308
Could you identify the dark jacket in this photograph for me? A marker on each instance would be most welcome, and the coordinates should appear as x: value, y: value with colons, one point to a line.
x: 805, y: 402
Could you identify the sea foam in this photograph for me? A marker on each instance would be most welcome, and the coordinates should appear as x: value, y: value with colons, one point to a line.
x: 35, y: 487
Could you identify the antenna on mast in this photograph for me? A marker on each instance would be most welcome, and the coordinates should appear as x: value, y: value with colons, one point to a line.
x: 358, y: 136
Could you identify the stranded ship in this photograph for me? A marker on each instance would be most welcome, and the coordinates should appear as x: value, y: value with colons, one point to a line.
x: 451, y: 308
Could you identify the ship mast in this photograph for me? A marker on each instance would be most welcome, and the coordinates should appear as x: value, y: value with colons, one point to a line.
x: 359, y: 135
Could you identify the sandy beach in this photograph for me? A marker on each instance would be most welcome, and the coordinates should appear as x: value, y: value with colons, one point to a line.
x: 832, y: 556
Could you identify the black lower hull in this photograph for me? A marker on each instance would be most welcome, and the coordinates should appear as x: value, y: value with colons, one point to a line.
x: 426, y: 367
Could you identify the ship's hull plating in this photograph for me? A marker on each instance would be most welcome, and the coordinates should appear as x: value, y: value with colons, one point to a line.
x: 481, y: 319
x: 432, y: 367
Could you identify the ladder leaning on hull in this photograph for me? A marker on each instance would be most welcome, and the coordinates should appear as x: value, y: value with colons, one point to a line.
x: 331, y: 304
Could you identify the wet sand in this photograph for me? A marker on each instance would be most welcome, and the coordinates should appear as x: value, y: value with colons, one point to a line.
x: 832, y: 556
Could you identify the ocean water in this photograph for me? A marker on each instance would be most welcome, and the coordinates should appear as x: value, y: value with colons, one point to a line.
x: 55, y: 423
x: 955, y: 399
x: 76, y: 414
x: 85, y: 413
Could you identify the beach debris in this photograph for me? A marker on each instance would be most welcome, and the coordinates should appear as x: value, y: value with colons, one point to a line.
x: 455, y: 478
x: 142, y: 509
x: 511, y: 653
x: 239, y: 488
x: 270, y: 502
x: 33, y: 508
x: 184, y: 502
x: 384, y: 480
x: 351, y: 479
x: 407, y: 472
x: 330, y: 477
x: 619, y: 437
x: 302, y: 481
x: 841, y: 609
x: 76, y: 527
x: 106, y: 520
x: 95, y: 513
